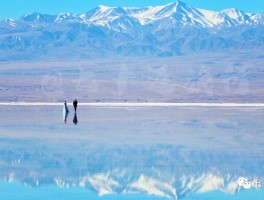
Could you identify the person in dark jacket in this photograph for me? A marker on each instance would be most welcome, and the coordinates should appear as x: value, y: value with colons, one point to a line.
x: 75, y: 102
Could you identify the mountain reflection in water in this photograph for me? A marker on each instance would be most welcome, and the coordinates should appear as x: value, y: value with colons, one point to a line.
x: 165, y: 152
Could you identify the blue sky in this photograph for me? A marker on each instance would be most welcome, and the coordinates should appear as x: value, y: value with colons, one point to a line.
x: 16, y: 8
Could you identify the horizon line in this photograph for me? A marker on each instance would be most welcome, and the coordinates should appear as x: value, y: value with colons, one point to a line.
x: 135, y: 104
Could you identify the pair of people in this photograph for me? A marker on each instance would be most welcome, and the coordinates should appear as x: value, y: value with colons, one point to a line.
x: 75, y: 103
x: 66, y: 111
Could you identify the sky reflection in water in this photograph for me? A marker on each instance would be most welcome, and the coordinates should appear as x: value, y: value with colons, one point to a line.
x: 165, y: 152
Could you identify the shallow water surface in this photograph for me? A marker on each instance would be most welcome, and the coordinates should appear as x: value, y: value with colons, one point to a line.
x: 130, y: 153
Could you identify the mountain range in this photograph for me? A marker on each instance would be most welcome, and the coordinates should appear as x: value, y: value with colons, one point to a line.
x: 172, y: 29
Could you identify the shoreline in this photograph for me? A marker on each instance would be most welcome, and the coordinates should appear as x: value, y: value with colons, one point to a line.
x: 144, y: 104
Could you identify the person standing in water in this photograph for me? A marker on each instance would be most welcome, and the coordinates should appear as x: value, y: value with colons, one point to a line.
x: 66, y: 107
x: 75, y: 102
x: 75, y: 120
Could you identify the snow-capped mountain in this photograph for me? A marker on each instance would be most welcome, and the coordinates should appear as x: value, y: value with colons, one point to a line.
x: 172, y: 29
x: 173, y: 171
x: 172, y: 188
x: 162, y: 170
x: 38, y: 18
x: 177, y: 13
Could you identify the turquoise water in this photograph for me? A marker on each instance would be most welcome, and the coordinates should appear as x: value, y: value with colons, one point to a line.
x: 244, y: 195
x: 16, y: 191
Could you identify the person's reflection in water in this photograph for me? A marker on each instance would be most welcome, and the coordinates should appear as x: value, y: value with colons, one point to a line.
x: 65, y: 117
x: 75, y: 120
